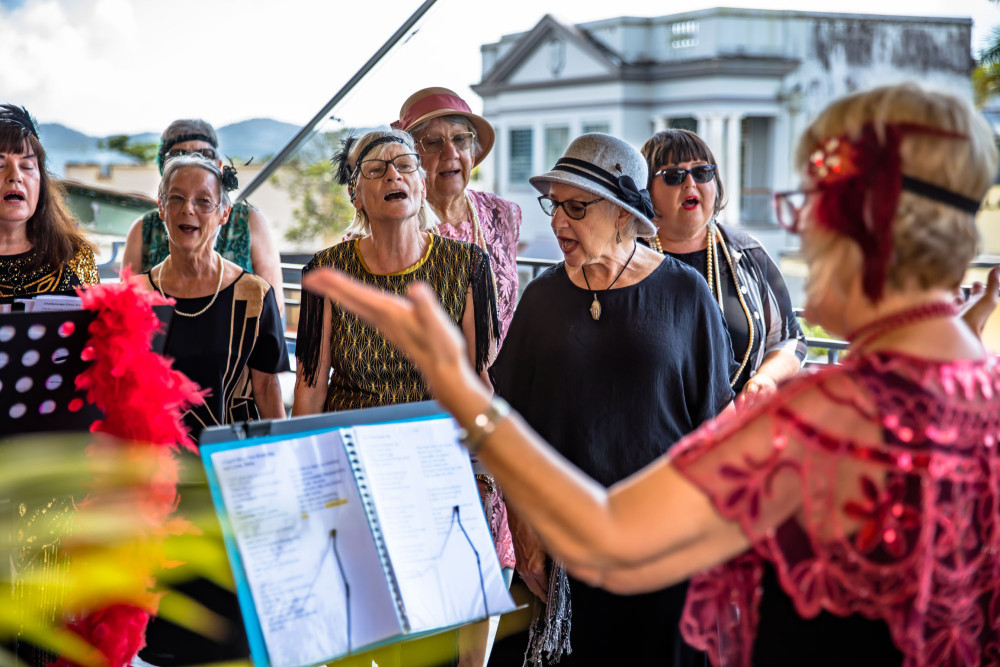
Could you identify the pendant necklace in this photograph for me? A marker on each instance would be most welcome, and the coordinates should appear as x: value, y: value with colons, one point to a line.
x: 595, y: 307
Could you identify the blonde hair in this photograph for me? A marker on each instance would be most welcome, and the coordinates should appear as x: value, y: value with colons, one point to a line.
x: 361, y: 225
x: 933, y: 243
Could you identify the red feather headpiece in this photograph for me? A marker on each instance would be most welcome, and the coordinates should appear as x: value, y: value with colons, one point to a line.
x: 860, y: 179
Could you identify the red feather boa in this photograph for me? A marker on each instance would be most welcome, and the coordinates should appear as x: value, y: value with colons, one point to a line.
x: 142, y: 399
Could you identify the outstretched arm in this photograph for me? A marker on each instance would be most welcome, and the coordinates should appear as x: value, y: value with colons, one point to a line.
x: 132, y: 254
x: 264, y: 256
x: 982, y: 302
x: 649, y: 530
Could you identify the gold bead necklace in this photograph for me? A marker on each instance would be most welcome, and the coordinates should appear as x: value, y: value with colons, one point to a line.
x: 714, y: 278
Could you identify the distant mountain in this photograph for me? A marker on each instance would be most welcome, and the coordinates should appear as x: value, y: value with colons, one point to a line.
x: 57, y: 137
x: 259, y: 138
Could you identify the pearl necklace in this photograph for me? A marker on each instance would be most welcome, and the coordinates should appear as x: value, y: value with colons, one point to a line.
x: 477, y: 230
x: 714, y: 278
x: 478, y: 238
x: 595, y: 307
x: 215, y: 296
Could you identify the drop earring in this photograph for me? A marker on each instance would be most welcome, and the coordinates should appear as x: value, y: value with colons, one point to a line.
x: 618, y: 236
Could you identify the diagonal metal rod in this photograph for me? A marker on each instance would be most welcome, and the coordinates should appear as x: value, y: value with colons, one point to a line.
x: 307, y: 129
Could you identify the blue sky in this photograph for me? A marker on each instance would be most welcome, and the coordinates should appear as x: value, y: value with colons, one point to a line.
x: 107, y: 66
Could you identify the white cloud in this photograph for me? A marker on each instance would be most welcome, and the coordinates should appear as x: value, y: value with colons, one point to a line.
x: 105, y: 66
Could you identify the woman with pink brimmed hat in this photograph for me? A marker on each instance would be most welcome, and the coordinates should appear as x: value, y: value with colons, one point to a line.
x: 452, y: 141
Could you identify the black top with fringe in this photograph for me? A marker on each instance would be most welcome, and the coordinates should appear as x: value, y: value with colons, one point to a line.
x: 451, y: 268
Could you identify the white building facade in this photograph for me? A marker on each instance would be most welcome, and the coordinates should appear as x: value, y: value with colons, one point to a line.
x: 748, y: 81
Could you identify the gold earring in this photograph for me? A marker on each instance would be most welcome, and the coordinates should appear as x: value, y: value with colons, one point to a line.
x: 618, y: 236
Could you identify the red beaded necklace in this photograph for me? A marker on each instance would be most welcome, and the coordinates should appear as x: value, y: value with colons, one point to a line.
x: 875, y: 329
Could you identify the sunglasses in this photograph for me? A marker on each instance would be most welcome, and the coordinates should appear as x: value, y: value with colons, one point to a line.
x: 676, y: 175
x: 463, y: 141
x: 206, y: 153
x: 573, y: 208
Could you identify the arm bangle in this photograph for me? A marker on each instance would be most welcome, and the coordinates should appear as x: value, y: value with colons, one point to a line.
x: 483, y: 425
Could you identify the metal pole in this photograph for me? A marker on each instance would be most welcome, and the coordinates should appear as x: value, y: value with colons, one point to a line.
x: 307, y: 129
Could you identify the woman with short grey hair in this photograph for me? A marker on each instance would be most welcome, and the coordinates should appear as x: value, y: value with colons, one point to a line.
x: 612, y: 357
x: 389, y: 247
x: 226, y: 336
x: 245, y: 239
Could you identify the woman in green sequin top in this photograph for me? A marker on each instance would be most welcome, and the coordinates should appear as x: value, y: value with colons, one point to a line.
x: 245, y: 239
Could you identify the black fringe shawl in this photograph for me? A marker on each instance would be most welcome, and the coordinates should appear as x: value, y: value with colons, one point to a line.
x: 309, y: 333
x: 484, y: 301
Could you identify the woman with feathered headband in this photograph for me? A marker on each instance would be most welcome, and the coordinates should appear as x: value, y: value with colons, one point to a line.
x: 852, y: 517
x: 42, y: 251
x: 245, y: 239
x: 345, y: 364
x: 390, y: 248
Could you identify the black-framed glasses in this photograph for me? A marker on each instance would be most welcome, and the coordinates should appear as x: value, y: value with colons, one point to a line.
x: 405, y: 163
x: 462, y: 141
x: 788, y: 207
x: 676, y: 175
x: 574, y: 208
x: 202, y: 205
x: 206, y: 153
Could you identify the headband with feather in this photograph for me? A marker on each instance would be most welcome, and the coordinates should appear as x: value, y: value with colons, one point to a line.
x: 15, y: 115
x: 341, y: 159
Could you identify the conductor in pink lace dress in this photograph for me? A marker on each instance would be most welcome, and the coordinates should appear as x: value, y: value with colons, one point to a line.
x: 852, y: 519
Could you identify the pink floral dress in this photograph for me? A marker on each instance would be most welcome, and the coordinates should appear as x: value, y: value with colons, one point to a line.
x: 500, y: 221
x: 871, y: 488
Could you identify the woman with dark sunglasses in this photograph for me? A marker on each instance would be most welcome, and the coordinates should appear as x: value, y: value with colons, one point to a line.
x: 851, y: 518
x: 767, y: 342
x: 245, y: 239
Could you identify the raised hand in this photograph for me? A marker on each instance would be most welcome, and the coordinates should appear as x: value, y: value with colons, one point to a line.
x: 982, y: 301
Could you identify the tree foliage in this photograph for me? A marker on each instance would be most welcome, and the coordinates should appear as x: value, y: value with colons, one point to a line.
x: 986, y: 75
x: 122, y: 143
x: 322, y: 210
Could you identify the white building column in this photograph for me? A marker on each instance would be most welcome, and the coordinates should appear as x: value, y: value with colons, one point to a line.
x: 710, y: 129
x: 731, y: 164
x: 659, y: 123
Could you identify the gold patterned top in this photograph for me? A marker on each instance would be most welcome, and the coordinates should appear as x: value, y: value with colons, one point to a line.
x: 21, y: 276
x: 367, y: 370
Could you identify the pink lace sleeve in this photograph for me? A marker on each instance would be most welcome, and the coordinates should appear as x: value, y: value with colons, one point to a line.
x: 872, y: 488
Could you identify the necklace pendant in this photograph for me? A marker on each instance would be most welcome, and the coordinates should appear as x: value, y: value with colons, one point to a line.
x: 595, y: 309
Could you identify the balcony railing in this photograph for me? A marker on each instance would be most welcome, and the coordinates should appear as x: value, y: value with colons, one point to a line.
x: 822, y: 351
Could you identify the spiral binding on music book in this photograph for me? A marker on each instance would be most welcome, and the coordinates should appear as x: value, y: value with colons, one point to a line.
x: 383, y: 553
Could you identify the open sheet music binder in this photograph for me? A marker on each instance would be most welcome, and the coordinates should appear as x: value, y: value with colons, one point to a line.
x: 349, y: 530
